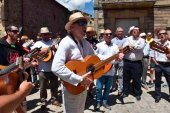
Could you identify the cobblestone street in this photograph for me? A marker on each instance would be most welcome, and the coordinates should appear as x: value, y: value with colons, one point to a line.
x: 146, y: 105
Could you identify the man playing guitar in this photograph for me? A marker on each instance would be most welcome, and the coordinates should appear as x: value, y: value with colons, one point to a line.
x: 162, y: 61
x: 9, y: 51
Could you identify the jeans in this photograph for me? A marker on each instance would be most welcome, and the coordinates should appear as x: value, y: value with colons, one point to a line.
x: 159, y: 71
x: 106, y: 81
x: 44, y: 78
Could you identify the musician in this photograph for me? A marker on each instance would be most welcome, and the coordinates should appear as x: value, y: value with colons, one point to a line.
x: 104, y: 50
x: 132, y: 68
x: 9, y: 52
x: 73, y: 47
x: 162, y: 64
x: 90, y: 37
x: 9, y: 49
x: 44, y: 69
x: 10, y: 102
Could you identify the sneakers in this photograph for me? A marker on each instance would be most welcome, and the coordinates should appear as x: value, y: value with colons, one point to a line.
x: 56, y: 103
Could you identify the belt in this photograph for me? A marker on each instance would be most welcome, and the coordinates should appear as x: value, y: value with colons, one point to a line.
x: 164, y: 63
x: 136, y: 61
x: 145, y: 56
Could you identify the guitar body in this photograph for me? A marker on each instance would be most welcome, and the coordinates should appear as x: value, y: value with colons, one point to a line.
x: 91, y: 62
x: 8, y: 83
x: 80, y: 68
x: 49, y: 55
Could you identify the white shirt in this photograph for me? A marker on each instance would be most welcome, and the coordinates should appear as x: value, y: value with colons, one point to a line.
x: 43, y: 66
x: 160, y: 57
x: 138, y: 44
x: 69, y: 50
x: 104, y: 51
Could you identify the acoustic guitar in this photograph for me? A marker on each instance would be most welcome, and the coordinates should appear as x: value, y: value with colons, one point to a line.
x: 90, y: 63
x: 11, y: 76
x: 46, y: 56
x: 159, y: 47
x: 49, y: 54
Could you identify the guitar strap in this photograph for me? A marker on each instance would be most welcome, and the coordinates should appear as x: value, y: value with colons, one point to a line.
x: 79, y: 44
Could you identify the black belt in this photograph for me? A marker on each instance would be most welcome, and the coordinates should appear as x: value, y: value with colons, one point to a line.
x: 136, y: 61
x: 145, y: 56
x: 164, y: 63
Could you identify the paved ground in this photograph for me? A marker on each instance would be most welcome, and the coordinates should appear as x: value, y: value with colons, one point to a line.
x: 146, y: 105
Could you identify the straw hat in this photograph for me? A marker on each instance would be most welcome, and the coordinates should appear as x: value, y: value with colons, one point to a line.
x: 44, y: 30
x: 90, y: 29
x: 73, y: 18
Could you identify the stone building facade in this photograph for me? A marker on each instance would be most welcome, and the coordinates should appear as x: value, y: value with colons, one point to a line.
x: 31, y: 15
x: 147, y: 14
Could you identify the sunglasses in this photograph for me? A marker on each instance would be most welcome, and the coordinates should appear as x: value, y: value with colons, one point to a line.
x: 108, y: 34
x: 82, y: 23
x: 162, y: 33
x: 14, y: 31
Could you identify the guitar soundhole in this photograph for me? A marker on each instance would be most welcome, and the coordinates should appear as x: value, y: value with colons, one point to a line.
x: 90, y: 68
x: 75, y: 71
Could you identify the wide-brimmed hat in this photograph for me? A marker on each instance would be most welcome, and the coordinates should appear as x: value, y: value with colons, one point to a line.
x: 90, y: 29
x: 44, y: 30
x: 73, y: 18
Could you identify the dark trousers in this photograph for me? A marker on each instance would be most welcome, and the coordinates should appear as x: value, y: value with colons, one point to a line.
x: 44, y: 78
x: 161, y: 69
x: 132, y: 71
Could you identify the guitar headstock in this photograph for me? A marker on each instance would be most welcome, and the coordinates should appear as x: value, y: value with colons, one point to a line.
x: 159, y: 47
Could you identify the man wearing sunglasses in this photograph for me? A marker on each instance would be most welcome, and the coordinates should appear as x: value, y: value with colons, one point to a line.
x: 105, y: 49
x: 162, y: 64
x: 73, y: 47
x: 9, y: 52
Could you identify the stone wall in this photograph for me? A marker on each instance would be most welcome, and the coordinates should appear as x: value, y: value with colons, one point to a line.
x: 153, y: 14
x: 31, y: 15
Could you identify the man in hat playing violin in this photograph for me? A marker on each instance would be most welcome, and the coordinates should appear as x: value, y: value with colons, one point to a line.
x: 44, y: 68
x: 73, y: 47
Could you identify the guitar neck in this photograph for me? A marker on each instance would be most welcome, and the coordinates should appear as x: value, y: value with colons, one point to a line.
x: 104, y: 62
x: 9, y: 68
x: 113, y: 57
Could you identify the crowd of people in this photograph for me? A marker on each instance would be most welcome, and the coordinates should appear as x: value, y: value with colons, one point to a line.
x: 127, y: 60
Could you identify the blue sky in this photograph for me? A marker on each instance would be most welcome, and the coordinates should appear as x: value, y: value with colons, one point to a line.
x: 83, y: 5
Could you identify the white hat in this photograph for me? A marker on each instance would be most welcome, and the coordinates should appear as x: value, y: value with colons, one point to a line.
x: 44, y: 30
x: 131, y: 28
x: 73, y: 18
x: 142, y: 34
